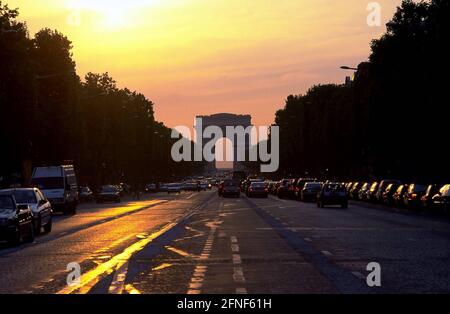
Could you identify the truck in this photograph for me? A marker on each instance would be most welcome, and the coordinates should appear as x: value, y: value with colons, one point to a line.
x: 59, y: 186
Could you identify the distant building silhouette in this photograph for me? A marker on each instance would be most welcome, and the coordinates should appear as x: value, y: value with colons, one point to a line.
x: 223, y: 120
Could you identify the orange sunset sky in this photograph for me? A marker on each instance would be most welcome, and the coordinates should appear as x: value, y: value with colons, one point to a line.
x: 206, y: 56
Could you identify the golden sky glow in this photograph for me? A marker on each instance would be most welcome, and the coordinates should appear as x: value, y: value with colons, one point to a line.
x: 206, y: 56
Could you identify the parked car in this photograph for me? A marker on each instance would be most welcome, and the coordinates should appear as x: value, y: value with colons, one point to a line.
x: 362, y: 193
x: 348, y: 186
x: 16, y: 221
x: 203, y: 185
x: 354, y: 191
x: 41, y: 208
x: 85, y: 194
x: 299, y: 185
x: 108, y: 193
x: 413, y: 195
x: 442, y: 199
x: 258, y: 189
x: 397, y: 197
x: 388, y: 194
x: 332, y: 194
x: 372, y: 193
x: 59, y: 186
x: 174, y: 188
x: 382, y: 187
x: 283, y: 188
x: 230, y: 187
x: 163, y: 187
x: 292, y: 188
x: 151, y: 188
x: 427, y: 199
x: 309, y: 191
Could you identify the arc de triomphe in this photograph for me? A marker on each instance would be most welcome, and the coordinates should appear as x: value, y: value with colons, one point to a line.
x: 223, y: 120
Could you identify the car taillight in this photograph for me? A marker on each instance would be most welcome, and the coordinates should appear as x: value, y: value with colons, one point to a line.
x: 250, y: 189
x: 266, y: 190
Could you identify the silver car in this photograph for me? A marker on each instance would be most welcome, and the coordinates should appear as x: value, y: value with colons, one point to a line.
x: 40, y: 206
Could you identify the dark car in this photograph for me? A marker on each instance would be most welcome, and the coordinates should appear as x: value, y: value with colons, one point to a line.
x: 442, y: 199
x: 231, y: 188
x: 283, y: 188
x: 258, y: 189
x: 85, y: 194
x: 299, y: 184
x: 309, y: 191
x: 388, y: 194
x: 292, y: 188
x: 151, y: 188
x: 362, y: 194
x: 354, y: 190
x: 16, y: 221
x: 413, y: 195
x: 397, y: 197
x: 108, y: 193
x: 382, y: 187
x: 427, y: 199
x: 372, y: 192
x: 332, y: 194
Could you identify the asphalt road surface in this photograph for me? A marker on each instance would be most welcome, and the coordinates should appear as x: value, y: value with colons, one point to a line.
x: 200, y: 243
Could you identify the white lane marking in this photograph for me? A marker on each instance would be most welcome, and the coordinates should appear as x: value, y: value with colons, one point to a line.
x: 199, y: 273
x: 238, y: 275
x: 118, y: 283
x: 308, y: 239
x: 327, y: 253
x: 237, y: 259
x: 238, y: 272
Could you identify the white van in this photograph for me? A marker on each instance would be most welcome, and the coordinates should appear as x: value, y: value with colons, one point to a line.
x: 59, y: 185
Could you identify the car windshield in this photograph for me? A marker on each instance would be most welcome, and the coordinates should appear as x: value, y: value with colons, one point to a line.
x: 6, y: 203
x: 25, y: 196
x: 50, y: 183
x: 230, y: 183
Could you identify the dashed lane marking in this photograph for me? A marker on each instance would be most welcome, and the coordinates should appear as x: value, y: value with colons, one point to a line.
x: 241, y: 291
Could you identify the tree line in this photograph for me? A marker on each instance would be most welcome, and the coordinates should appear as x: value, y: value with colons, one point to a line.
x: 391, y: 121
x: 49, y: 115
